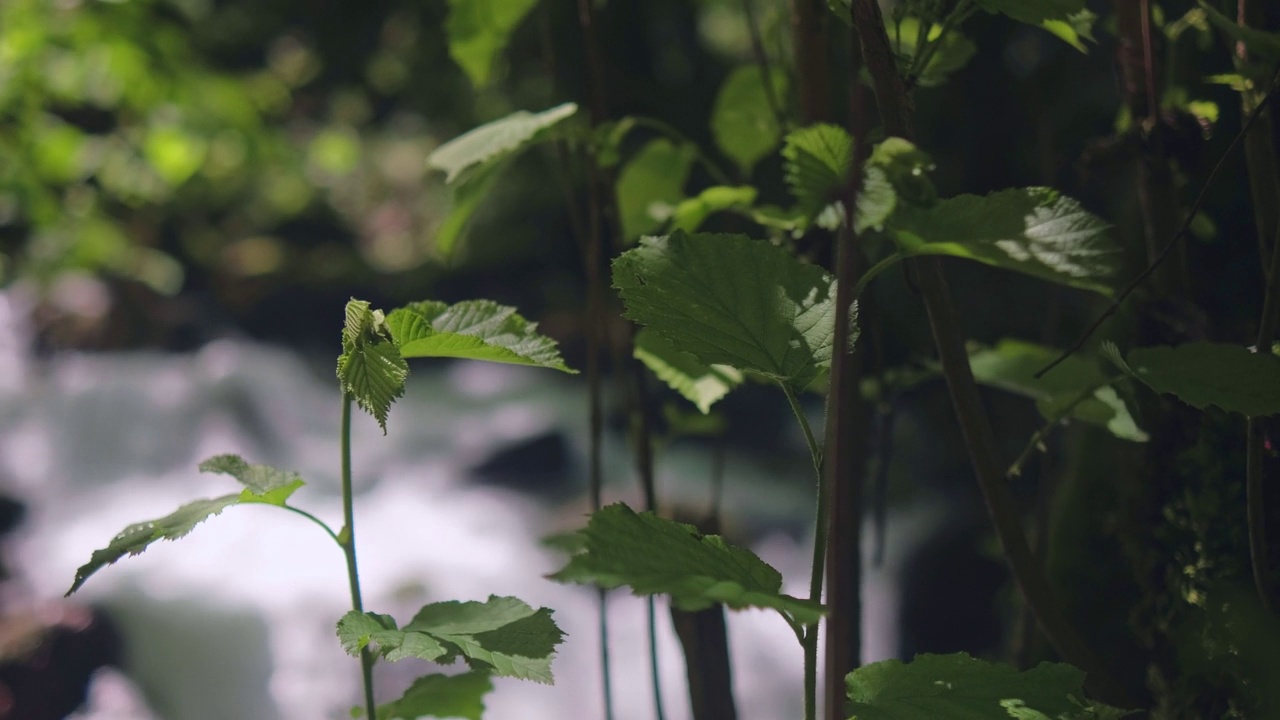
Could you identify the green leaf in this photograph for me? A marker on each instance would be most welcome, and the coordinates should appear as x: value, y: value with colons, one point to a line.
x: 264, y: 485
x: 656, y: 556
x: 1070, y: 20
x: 370, y: 367
x: 1203, y: 374
x: 496, y: 140
x: 816, y: 165
x: 502, y: 635
x: 1075, y: 29
x: 742, y: 122
x: 1012, y: 364
x: 958, y: 686
x: 473, y: 330
x: 691, y: 213
x: 469, y: 193
x: 699, y: 383
x: 651, y: 184
x: 1262, y: 45
x: 441, y: 696
x: 1034, y: 230
x: 479, y: 29
x: 730, y: 300
x: 951, y: 53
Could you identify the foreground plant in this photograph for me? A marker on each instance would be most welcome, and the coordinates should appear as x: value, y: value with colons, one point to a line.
x: 499, y: 637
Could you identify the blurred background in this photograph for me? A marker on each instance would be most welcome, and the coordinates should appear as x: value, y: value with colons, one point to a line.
x: 191, y: 190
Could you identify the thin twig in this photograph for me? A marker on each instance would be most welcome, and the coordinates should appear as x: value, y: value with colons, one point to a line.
x: 762, y: 59
x: 1255, y: 460
x: 1168, y: 247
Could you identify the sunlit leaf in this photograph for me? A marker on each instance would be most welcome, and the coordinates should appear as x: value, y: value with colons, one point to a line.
x: 1075, y: 30
x: 441, y: 696
x: 743, y: 124
x: 1034, y: 230
x: 174, y: 153
x: 651, y: 184
x: 700, y: 384
x: 370, y: 367
x: 816, y: 165
x: 495, y: 140
x: 730, y: 300
x: 949, y: 53
x: 472, y: 330
x: 478, y: 31
x: 691, y: 213
x: 1203, y: 374
x: 264, y: 485
x: 655, y: 556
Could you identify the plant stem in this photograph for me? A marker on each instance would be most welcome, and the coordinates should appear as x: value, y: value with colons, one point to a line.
x: 323, y: 526
x: 1039, y: 437
x: 347, y: 539
x: 809, y: 640
x: 875, y: 270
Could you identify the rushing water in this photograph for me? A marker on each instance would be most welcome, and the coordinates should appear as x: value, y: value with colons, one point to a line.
x: 236, y: 620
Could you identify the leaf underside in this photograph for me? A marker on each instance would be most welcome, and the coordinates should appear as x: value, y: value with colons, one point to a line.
x: 1203, y: 374
x: 441, y: 696
x: 472, y: 330
x: 655, y: 556
x: 703, y: 385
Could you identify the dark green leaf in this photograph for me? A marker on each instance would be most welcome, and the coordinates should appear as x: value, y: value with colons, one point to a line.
x: 730, y: 300
x: 743, y: 124
x: 1034, y: 12
x: 478, y: 31
x: 1203, y: 374
x: 951, y: 53
x: 474, y: 330
x: 1034, y: 230
x: 441, y: 696
x: 651, y: 184
x: 370, y: 368
x: 656, y: 556
x: 1262, y: 45
x: 699, y: 383
x: 816, y: 165
x: 1075, y: 30
x: 691, y: 213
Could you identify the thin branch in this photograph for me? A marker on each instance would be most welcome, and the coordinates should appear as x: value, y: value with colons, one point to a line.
x: 1038, y: 438
x: 809, y: 43
x: 1255, y: 460
x: 323, y: 525
x: 1168, y: 248
x: 762, y: 60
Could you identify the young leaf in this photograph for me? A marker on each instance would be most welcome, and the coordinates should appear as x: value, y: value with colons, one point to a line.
x: 478, y: 30
x: 952, y: 52
x: 959, y: 686
x: 816, y: 165
x: 742, y: 122
x: 473, y: 330
x: 651, y: 184
x: 441, y: 696
x: 656, y: 556
x: 370, y: 367
x: 730, y: 300
x: 1034, y: 230
x: 1203, y: 374
x: 495, y: 140
x: 502, y: 635
x: 263, y: 484
x: 700, y: 384
x: 691, y: 213
x: 1011, y: 366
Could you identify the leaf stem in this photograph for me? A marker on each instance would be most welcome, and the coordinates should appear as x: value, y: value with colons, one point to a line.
x: 809, y: 638
x: 347, y: 539
x: 875, y: 270
x: 323, y: 526
x: 1039, y: 437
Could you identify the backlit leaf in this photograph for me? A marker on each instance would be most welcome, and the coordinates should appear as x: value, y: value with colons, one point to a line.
x: 743, y: 124
x: 264, y: 485
x: 473, y: 330
x: 441, y: 696
x: 700, y: 384
x: 478, y: 31
x: 691, y: 213
x: 816, y: 165
x: 1070, y: 20
x: 951, y: 52
x: 1034, y: 230
x: 370, y: 367
x: 655, y: 556
x: 1203, y: 374
x: 651, y: 184
x: 730, y: 300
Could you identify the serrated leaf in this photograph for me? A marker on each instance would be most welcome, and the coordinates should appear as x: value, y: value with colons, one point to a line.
x: 1012, y: 364
x: 651, y: 184
x: 495, y: 140
x: 478, y: 31
x: 743, y: 124
x: 1262, y: 45
x: 816, y: 165
x: 657, y: 556
x: 1033, y: 230
x: 699, y: 383
x: 441, y: 696
x: 264, y: 485
x: 961, y: 688
x: 730, y: 300
x: 370, y: 368
x: 1203, y: 374
x: 691, y: 213
x: 473, y: 330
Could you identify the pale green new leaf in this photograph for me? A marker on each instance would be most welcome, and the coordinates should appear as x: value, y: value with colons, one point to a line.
x: 1033, y: 230
x: 478, y: 31
x: 441, y: 696
x: 651, y: 184
x: 370, y: 367
x: 699, y: 383
x: 1203, y: 374
x: 472, y: 330
x: 960, y: 687
x: 263, y: 485
x: 691, y: 213
x: 730, y: 300
x: 1012, y: 364
x: 743, y: 124
x: 495, y: 140
x: 656, y: 556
